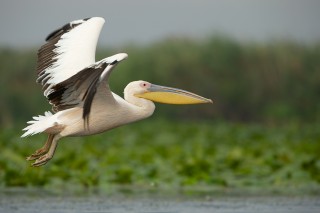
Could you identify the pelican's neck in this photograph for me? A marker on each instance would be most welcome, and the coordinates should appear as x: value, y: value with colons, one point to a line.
x: 145, y: 106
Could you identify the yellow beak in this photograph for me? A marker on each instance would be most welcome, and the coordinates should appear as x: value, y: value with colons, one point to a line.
x: 168, y: 95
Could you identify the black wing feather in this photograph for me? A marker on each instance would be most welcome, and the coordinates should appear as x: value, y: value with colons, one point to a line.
x: 76, y: 89
x: 88, y: 98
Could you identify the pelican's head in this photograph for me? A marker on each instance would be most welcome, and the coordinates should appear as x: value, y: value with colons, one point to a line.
x: 162, y: 94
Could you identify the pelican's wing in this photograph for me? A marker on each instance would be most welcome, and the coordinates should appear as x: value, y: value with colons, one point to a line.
x: 68, y: 50
x: 80, y: 89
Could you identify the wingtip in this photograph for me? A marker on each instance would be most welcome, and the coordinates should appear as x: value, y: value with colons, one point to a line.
x: 95, y: 19
x: 70, y: 25
x: 122, y: 56
x: 117, y: 57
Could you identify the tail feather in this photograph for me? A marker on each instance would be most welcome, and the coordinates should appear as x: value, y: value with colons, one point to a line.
x: 39, y: 124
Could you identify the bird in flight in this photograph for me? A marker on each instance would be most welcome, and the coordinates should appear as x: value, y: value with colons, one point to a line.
x: 77, y: 88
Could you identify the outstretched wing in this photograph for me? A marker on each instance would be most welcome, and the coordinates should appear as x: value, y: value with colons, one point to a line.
x: 81, y: 88
x: 68, y: 50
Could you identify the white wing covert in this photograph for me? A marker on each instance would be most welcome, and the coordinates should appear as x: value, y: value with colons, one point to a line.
x: 68, y: 50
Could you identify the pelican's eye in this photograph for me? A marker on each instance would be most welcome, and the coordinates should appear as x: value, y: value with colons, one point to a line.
x: 144, y: 84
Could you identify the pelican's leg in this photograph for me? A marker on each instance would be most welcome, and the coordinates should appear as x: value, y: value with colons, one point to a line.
x: 46, y: 157
x: 43, y: 150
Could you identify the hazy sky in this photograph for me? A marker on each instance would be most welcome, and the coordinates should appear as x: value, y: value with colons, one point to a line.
x: 26, y: 23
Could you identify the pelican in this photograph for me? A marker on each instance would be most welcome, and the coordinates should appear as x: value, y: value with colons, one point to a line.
x: 77, y: 88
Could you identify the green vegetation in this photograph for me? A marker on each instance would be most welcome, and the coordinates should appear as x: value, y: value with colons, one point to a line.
x: 163, y: 154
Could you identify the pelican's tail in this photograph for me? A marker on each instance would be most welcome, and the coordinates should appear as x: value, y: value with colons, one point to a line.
x: 40, y: 124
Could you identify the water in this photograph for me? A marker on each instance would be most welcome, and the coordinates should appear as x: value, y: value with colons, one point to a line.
x: 34, y: 201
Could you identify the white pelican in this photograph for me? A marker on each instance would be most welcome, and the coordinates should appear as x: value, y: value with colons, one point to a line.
x: 77, y: 88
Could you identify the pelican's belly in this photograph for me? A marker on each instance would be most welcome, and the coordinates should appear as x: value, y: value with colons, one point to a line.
x: 101, y: 119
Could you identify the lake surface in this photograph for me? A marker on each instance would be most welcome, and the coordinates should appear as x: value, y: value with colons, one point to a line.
x: 34, y: 201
